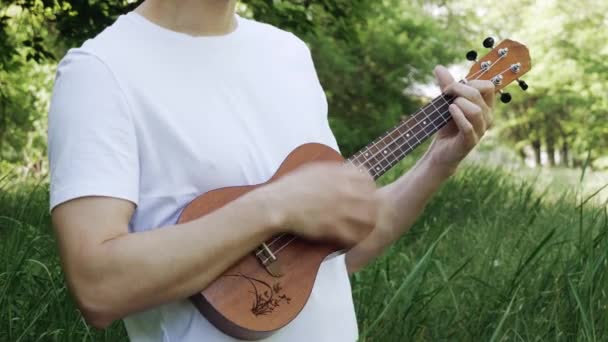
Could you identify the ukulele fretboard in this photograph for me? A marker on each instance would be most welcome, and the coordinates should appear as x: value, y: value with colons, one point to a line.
x: 391, y: 147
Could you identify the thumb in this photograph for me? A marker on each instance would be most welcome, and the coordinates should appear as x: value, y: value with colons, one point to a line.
x: 444, y: 78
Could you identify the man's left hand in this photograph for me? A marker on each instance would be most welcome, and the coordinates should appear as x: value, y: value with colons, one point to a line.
x: 471, y: 114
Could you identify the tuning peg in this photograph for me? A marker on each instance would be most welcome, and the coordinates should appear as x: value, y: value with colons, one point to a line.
x: 505, y: 97
x: 488, y: 42
x: 472, y: 55
x: 523, y: 85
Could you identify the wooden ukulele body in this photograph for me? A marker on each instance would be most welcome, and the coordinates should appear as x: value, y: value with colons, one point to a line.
x: 247, y: 301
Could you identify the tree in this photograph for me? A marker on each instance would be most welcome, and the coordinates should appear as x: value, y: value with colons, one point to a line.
x: 562, y: 112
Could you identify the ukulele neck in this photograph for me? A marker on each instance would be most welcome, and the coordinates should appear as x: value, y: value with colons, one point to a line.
x: 391, y: 147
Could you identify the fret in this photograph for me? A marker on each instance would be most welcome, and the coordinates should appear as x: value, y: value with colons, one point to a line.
x: 391, y: 147
x: 396, y: 141
x: 384, y: 148
x: 413, y: 131
x: 360, y: 160
x: 354, y: 159
x: 374, y: 156
x: 378, y: 170
x: 407, y: 128
x: 406, y: 136
x: 424, y: 121
x: 433, y: 117
x: 392, y: 158
x: 380, y: 144
x: 360, y: 163
x: 402, y: 141
x: 445, y: 104
x: 394, y: 134
x: 384, y: 163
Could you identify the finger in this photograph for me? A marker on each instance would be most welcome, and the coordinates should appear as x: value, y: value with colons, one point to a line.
x: 444, y: 78
x: 486, y: 89
x: 474, y: 95
x: 473, y: 114
x: 464, y: 126
x: 488, y: 92
x: 360, y: 175
x: 364, y: 212
x: 358, y: 188
x: 364, y: 189
x: 468, y: 92
x: 352, y: 170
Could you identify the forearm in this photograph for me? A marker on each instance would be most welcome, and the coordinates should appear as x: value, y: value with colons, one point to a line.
x: 403, y: 201
x: 137, y: 271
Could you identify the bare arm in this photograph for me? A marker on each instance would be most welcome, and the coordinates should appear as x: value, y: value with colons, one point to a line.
x: 402, y: 202
x: 112, y: 273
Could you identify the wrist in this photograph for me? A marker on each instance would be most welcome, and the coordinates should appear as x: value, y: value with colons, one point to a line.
x: 271, y: 209
x: 438, y: 169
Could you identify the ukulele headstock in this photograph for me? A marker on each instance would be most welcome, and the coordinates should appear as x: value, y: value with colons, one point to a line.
x: 505, y: 63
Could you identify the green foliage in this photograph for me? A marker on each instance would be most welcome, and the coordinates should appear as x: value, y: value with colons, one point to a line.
x: 34, y: 303
x: 511, y: 265
x: 24, y: 84
x: 564, y: 112
x: 365, y: 77
x: 366, y: 54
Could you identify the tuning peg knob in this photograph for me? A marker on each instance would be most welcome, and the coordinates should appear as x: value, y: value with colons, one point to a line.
x: 505, y: 97
x: 488, y: 42
x: 523, y: 85
x: 472, y: 55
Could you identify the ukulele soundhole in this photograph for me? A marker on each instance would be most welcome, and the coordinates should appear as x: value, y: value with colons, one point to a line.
x: 266, y: 297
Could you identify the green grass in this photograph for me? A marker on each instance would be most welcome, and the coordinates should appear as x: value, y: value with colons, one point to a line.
x: 491, y: 259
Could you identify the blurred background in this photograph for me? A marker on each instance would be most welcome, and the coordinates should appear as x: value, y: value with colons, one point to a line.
x: 512, y: 248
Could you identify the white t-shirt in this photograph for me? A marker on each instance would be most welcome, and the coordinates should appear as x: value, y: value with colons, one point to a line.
x: 158, y: 117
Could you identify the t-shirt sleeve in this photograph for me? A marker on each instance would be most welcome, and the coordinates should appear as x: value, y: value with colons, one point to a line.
x: 325, y: 132
x: 92, y: 145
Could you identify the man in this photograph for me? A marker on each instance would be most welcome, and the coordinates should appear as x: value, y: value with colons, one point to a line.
x: 181, y: 97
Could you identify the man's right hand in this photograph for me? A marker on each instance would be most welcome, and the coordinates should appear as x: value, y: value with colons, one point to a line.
x: 324, y: 201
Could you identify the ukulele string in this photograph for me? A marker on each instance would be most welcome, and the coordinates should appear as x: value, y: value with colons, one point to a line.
x: 380, y: 152
x: 277, y: 238
x: 378, y: 166
x: 435, y: 111
x: 474, y: 76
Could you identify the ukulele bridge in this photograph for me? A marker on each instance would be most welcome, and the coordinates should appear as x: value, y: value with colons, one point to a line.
x: 269, y: 260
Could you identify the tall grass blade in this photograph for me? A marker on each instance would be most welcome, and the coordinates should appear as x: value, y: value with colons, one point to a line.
x: 587, y: 325
x: 417, y: 271
x: 503, y: 319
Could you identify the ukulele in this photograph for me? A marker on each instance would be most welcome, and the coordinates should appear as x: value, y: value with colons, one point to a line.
x: 268, y: 287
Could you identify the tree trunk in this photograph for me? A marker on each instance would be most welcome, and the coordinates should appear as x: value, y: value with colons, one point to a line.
x: 565, y: 154
x: 551, y: 151
x: 536, y: 146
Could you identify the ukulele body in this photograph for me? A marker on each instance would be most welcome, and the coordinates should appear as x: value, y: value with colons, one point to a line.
x: 247, y: 301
